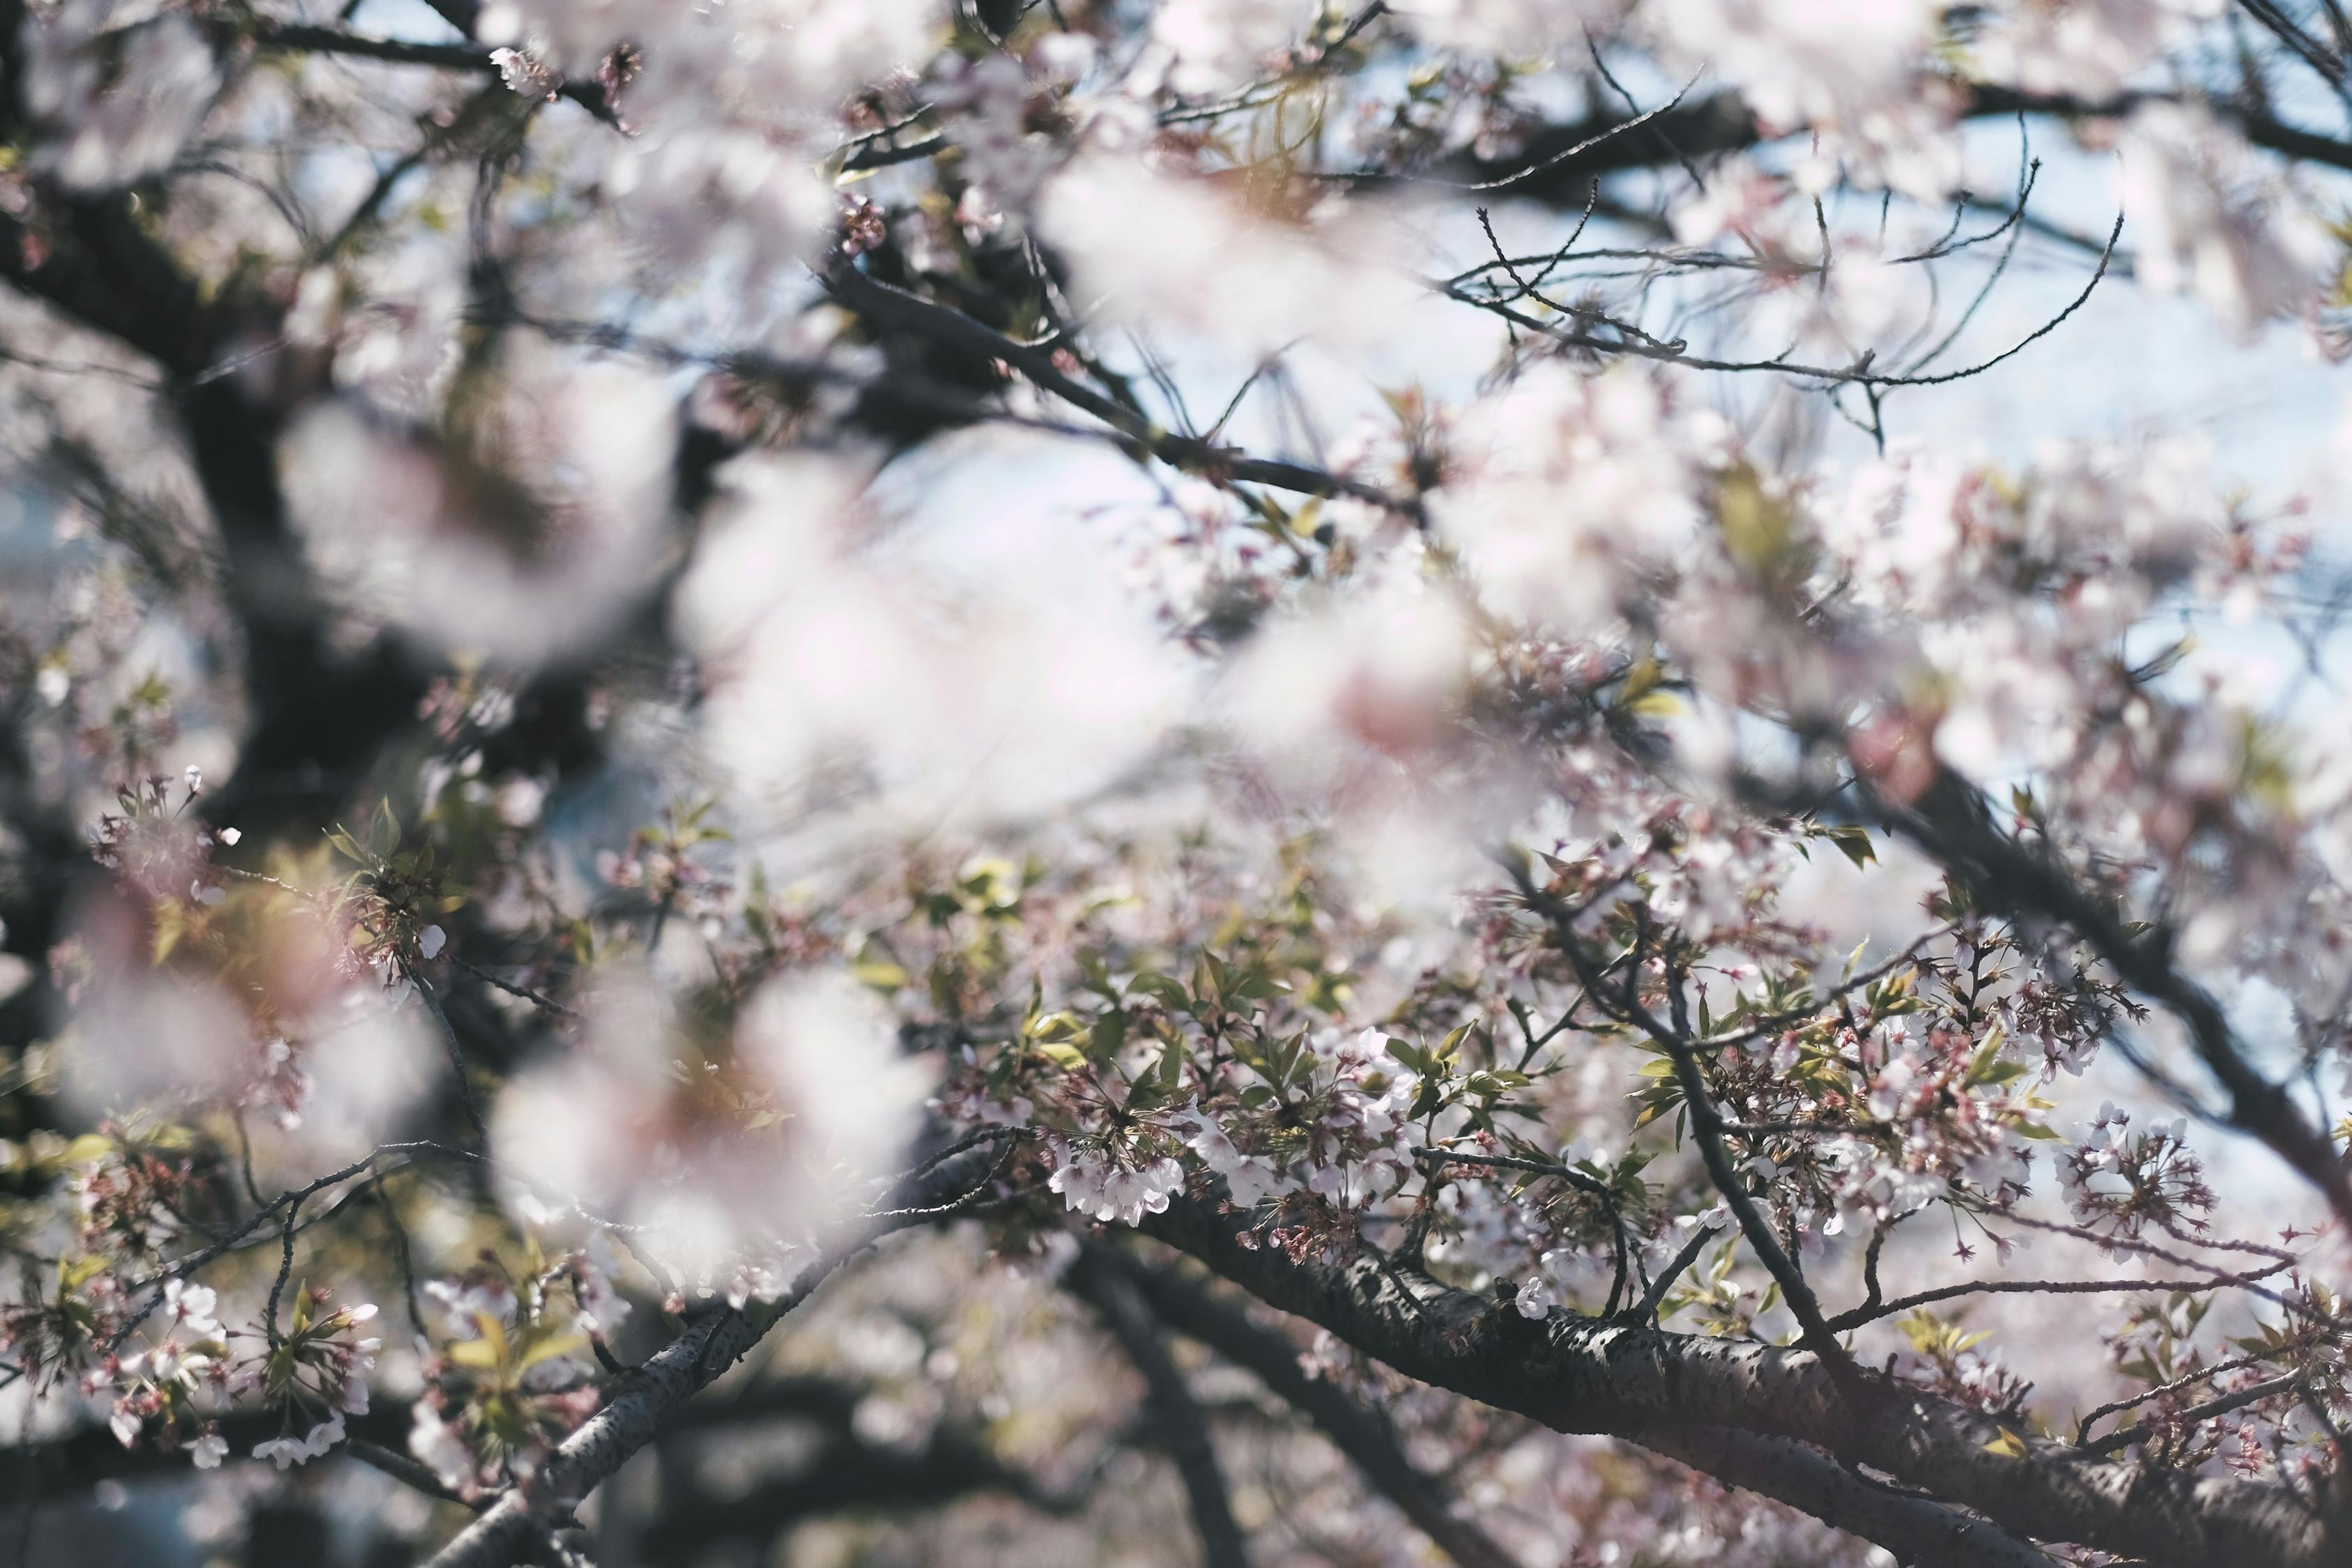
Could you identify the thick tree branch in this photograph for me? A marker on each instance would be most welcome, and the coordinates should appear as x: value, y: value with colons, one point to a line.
x: 1582, y: 1375
x: 316, y: 717
x: 647, y: 1404
x: 88, y: 259
x: 1922, y: 1534
x: 1178, y: 1424
x: 1544, y: 170
x: 590, y: 1456
x: 847, y: 1475
x: 1361, y: 1433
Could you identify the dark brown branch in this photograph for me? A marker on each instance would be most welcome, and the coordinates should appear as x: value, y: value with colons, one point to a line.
x: 1722, y: 122
x: 2254, y: 1394
x: 1361, y: 1433
x: 1873, y: 1312
x: 1809, y: 1480
x: 297, y: 38
x: 1178, y: 1424
x: 1582, y: 1375
x: 877, y: 302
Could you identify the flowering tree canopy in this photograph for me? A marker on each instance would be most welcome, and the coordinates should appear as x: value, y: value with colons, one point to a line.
x: 1227, y: 780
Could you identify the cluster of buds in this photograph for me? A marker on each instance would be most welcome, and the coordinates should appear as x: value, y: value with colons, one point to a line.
x: 514, y: 1373
x: 316, y: 1372
x: 2121, y: 1180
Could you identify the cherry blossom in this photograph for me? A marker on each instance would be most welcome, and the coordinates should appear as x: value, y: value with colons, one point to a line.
x: 942, y: 752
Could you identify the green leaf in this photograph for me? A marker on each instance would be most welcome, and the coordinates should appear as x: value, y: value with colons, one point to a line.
x: 480, y: 1356
x: 1167, y: 992
x: 1209, y: 977
x: 73, y: 1273
x: 1853, y: 842
x: 1096, y: 978
x: 552, y: 1346
x: 1987, y: 1069
x: 1109, y: 1033
x: 89, y: 1147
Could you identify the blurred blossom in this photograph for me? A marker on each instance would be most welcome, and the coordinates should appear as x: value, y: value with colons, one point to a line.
x: 398, y: 350
x: 723, y: 94
x: 901, y: 677
x: 2088, y: 48
x: 829, y: 1052
x: 1153, y: 249
x: 365, y: 1063
x: 522, y: 562
x: 1870, y: 300
x: 1220, y: 44
x: 1507, y: 27
x: 804, y: 49
x: 1414, y: 850
x: 1574, y: 485
x: 116, y: 88
x: 784, y: 518
x: 1378, y: 669
x: 739, y: 1151
x: 718, y: 196
x: 993, y: 98
x: 158, y: 1041
x: 1934, y: 540
x: 1853, y: 71
x: 2210, y: 219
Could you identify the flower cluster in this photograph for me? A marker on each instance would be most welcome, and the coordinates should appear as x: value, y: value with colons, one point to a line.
x: 512, y: 1373
x: 2120, y: 1182
x: 315, y: 1373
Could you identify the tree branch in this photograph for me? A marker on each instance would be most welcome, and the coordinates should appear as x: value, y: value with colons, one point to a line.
x: 1558, y: 164
x: 1949, y: 823
x: 1361, y: 1433
x: 1100, y: 1280
x: 1584, y: 1374
x: 674, y: 1375
x: 645, y: 1404
x: 877, y: 302
x: 1920, y: 1533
